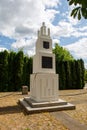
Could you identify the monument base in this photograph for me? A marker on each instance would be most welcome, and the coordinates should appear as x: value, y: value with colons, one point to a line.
x: 44, y: 87
x: 31, y: 106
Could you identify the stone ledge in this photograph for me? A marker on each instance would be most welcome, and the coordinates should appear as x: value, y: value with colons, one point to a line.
x: 31, y: 110
x: 35, y: 104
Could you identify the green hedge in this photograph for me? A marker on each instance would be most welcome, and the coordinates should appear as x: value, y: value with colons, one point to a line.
x: 15, y: 70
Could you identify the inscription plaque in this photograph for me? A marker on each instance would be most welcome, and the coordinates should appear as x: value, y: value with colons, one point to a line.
x: 45, y: 44
x: 47, y: 62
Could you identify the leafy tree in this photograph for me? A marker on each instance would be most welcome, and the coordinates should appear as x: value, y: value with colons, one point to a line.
x: 79, y: 65
x: 27, y: 70
x: 68, y: 75
x: 18, y: 70
x: 80, y: 9
x: 85, y: 76
x: 73, y: 74
x: 30, y: 69
x: 15, y: 70
x: 62, y: 54
x: 11, y: 68
x: 62, y: 76
x: 63, y: 66
x: 82, y: 73
x: 78, y: 74
x: 3, y: 70
x: 71, y: 71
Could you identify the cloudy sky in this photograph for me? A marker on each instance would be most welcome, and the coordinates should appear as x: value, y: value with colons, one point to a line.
x: 20, y: 20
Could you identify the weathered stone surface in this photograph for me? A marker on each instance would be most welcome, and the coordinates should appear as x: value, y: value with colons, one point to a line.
x: 31, y: 108
x: 24, y: 89
x: 85, y: 87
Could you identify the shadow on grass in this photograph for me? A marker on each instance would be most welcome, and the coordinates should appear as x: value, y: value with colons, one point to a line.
x: 10, y: 110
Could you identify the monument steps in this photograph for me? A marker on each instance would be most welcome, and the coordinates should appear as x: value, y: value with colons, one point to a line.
x: 38, y: 107
x: 35, y: 104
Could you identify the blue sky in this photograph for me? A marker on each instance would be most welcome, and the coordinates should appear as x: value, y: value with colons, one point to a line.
x: 21, y: 19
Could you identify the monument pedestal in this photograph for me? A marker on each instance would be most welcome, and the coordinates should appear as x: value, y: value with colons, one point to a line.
x: 31, y: 106
x: 44, y: 80
x: 44, y: 95
x: 44, y: 87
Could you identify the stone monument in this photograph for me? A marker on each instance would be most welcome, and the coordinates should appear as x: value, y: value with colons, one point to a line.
x: 44, y: 81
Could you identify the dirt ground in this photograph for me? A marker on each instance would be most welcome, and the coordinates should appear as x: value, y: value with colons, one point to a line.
x: 13, y: 117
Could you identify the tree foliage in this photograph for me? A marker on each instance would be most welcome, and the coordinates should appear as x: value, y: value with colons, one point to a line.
x: 62, y: 54
x: 3, y: 70
x: 15, y: 70
x: 71, y: 71
x: 80, y: 8
x: 11, y: 71
x: 85, y: 76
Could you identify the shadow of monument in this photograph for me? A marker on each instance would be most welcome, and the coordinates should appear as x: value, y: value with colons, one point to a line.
x: 10, y: 109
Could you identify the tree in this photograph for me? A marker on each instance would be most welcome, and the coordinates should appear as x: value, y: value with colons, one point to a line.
x: 11, y: 71
x: 73, y: 75
x: 3, y: 71
x: 82, y: 73
x: 80, y: 8
x: 85, y: 76
x: 71, y: 71
x: 68, y: 74
x: 62, y: 76
x: 30, y: 61
x: 63, y: 58
x: 27, y: 70
x: 18, y: 70
x: 62, y: 54
x: 79, y: 65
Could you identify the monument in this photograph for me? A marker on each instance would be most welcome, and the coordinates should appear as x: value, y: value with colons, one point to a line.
x: 44, y: 81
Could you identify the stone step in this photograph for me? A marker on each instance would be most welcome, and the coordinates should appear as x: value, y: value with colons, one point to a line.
x: 31, y: 110
x: 35, y: 104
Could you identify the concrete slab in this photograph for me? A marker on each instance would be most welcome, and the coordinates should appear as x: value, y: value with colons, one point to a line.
x: 68, y: 121
x: 43, y: 107
x: 35, y: 104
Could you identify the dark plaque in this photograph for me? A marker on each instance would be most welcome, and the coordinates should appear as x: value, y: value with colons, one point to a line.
x: 47, y: 62
x: 45, y: 44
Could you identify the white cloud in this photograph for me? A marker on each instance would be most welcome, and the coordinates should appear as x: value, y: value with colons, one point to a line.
x: 79, y: 48
x: 63, y: 29
x: 72, y: 20
x: 86, y: 64
x: 28, y: 45
x: 3, y: 48
x: 52, y: 3
x: 51, y: 13
x: 20, y: 17
x: 83, y: 29
x: 68, y: 29
x: 55, y: 41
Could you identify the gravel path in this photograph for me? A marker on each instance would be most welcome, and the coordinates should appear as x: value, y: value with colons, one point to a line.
x: 12, y: 117
x: 69, y: 122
